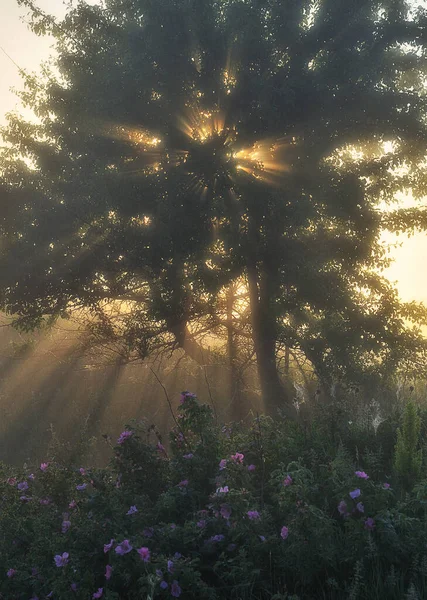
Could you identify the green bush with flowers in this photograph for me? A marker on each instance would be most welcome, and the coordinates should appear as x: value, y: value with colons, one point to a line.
x: 273, y: 510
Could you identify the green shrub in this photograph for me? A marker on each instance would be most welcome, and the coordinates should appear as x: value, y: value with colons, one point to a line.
x: 408, y: 458
x: 273, y: 510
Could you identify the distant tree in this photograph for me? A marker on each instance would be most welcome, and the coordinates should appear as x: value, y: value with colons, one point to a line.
x: 182, y: 146
x: 408, y: 457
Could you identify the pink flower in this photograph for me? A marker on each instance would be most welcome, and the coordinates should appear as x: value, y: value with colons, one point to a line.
x: 223, y: 490
x: 342, y: 508
x: 361, y: 474
x: 132, y: 510
x: 237, y: 458
x: 287, y: 481
x: 45, y: 501
x: 44, y: 466
x: 99, y: 593
x: 144, y: 553
x: 125, y: 435
x: 183, y: 483
x: 253, y: 515
x: 22, y: 486
x: 186, y: 396
x: 251, y: 467
x: 123, y: 548
x: 161, y: 448
x: 81, y: 487
x: 369, y: 524
x: 175, y: 589
x: 61, y: 559
x: 225, y: 511
x: 386, y: 486
x: 82, y: 471
x: 65, y: 526
x: 354, y: 494
x: 148, y: 532
x: 11, y: 480
x: 11, y: 573
x: 284, y: 532
x: 108, y: 571
x: 107, y: 547
x: 72, y: 504
x: 222, y: 464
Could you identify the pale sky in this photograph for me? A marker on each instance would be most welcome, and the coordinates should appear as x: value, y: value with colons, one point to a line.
x: 28, y: 50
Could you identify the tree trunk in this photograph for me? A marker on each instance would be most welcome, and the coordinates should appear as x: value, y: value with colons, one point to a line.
x: 274, y: 393
x: 192, y: 348
x: 287, y: 355
x: 235, y: 377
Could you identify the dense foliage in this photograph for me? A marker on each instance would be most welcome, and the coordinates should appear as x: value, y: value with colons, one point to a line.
x: 183, y: 147
x: 277, y: 510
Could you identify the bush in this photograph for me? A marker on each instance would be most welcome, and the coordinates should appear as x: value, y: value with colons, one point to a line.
x: 274, y: 510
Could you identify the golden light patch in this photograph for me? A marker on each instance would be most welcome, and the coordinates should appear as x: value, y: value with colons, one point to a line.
x: 201, y: 124
x: 265, y: 160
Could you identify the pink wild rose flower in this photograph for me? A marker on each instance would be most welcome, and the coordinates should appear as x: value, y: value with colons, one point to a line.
x: 342, y: 508
x: 61, y: 559
x: 125, y: 435
x: 65, y: 526
x: 253, y: 515
x: 237, y: 458
x: 175, y: 589
x: 123, y: 548
x: 144, y: 553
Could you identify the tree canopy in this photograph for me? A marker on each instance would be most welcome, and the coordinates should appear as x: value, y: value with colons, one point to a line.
x: 182, y: 147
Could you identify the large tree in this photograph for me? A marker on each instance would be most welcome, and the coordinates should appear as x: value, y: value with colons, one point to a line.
x: 186, y: 146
